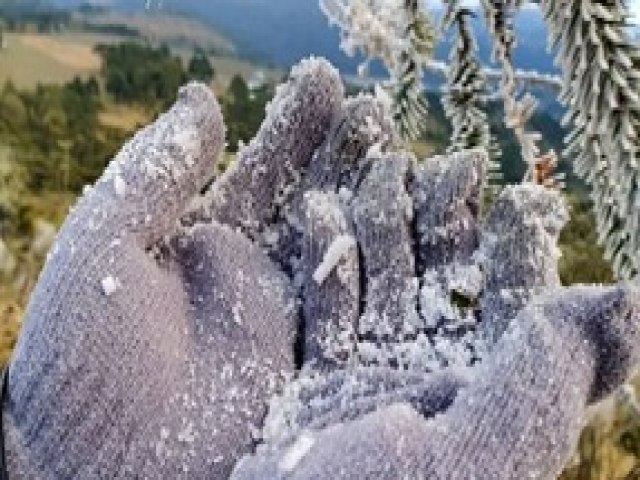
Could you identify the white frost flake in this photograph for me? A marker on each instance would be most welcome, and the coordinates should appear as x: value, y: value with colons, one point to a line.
x: 119, y: 185
x: 336, y: 252
x: 110, y: 285
x: 188, y: 140
x: 296, y: 453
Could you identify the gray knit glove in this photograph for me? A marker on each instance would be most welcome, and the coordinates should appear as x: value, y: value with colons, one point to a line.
x: 423, y: 385
x: 519, y: 416
x: 438, y: 345
x: 164, y: 321
x: 150, y: 349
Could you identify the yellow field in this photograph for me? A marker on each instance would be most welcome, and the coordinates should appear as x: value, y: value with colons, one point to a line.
x: 29, y: 59
x: 124, y: 117
x: 165, y: 28
x: 81, y: 58
x: 423, y: 149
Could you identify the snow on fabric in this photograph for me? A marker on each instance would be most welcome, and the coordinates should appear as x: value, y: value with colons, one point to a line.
x: 336, y: 252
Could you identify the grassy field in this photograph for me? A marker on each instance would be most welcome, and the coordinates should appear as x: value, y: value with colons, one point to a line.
x: 10, y: 323
x: 30, y: 59
x: 54, y: 207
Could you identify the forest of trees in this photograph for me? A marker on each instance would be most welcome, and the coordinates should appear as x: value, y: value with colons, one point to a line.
x: 243, y: 111
x: 135, y: 72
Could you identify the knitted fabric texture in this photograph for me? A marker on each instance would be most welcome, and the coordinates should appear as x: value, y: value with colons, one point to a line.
x: 519, y: 416
x: 149, y: 349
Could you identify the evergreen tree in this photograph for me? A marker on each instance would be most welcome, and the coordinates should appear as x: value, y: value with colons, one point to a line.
x: 142, y: 73
x: 244, y: 110
x: 518, y: 111
x: 200, y: 68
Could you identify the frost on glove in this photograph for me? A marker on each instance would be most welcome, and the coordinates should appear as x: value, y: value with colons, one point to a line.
x: 150, y: 349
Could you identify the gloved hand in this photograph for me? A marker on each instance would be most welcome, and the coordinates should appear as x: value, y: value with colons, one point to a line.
x: 517, y: 416
x: 162, y: 325
x: 440, y: 289
x: 404, y: 285
x: 393, y: 401
x: 150, y: 348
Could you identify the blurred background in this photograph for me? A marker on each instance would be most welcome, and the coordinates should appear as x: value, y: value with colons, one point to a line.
x: 77, y: 79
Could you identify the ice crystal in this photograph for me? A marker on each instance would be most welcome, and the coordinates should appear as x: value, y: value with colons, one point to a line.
x: 110, y: 285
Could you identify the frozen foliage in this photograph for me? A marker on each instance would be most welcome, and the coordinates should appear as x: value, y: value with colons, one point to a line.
x: 398, y: 33
x: 407, y: 82
x: 518, y: 111
x: 465, y: 96
x: 601, y: 72
x: 374, y: 27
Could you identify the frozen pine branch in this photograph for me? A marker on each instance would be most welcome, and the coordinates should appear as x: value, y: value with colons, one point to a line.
x: 400, y: 34
x: 518, y: 111
x: 465, y: 98
x: 601, y: 72
x: 410, y: 103
x: 524, y: 78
